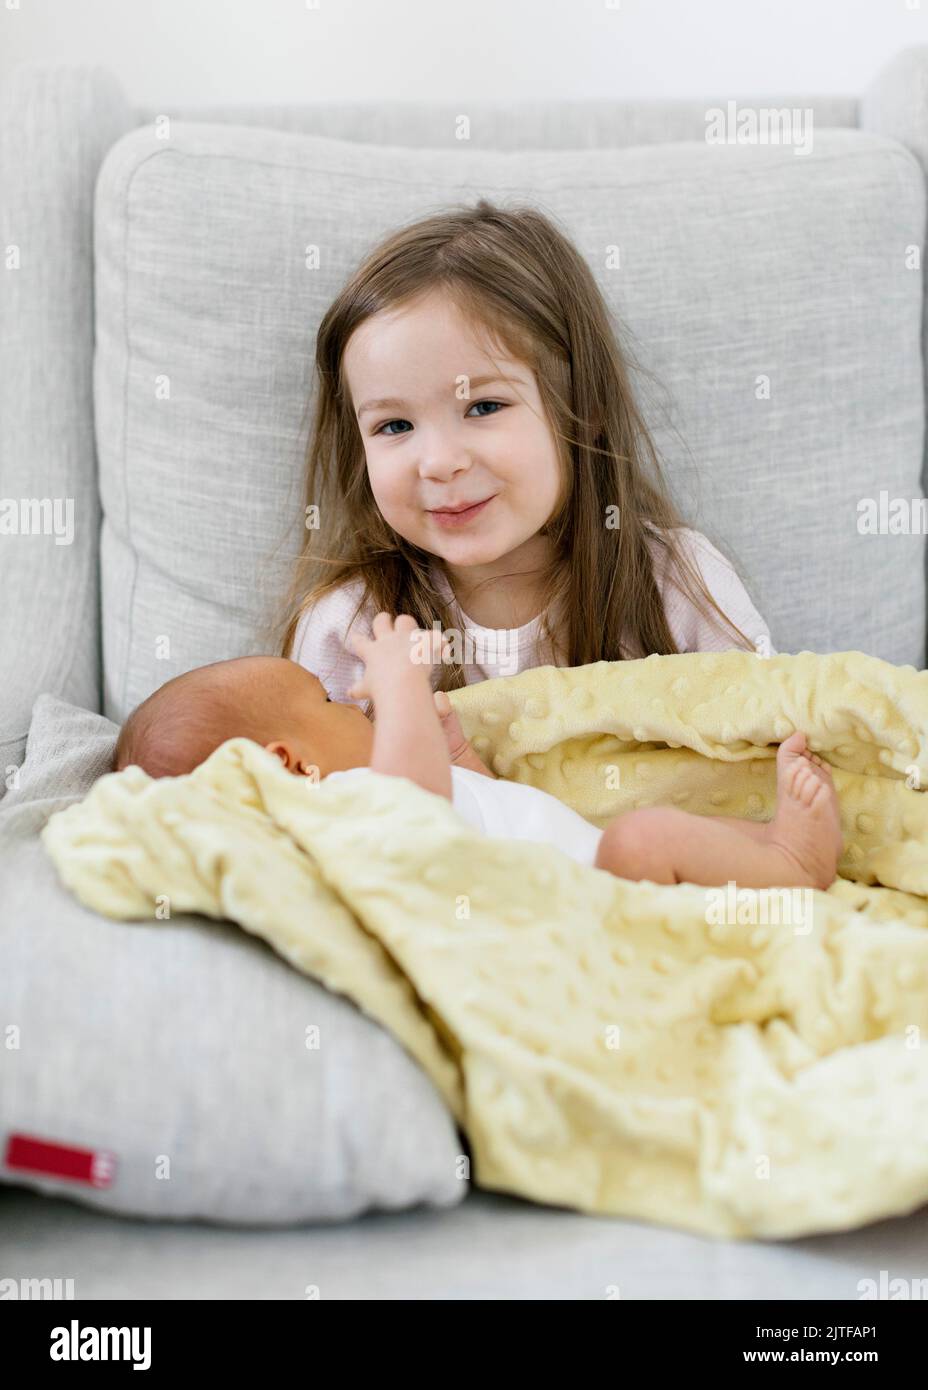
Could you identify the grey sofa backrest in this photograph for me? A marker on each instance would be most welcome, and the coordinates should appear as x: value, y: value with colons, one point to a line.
x: 57, y: 123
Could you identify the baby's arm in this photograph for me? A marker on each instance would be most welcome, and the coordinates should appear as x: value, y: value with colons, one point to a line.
x: 408, y: 737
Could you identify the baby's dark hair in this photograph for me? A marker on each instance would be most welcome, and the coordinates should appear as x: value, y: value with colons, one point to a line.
x: 187, y: 718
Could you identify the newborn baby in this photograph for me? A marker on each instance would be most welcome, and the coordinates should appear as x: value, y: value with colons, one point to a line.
x: 282, y: 706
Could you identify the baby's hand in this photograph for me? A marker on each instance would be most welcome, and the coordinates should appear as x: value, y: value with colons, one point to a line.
x: 395, y: 647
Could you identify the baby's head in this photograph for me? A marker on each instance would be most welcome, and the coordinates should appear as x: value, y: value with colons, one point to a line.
x: 270, y: 699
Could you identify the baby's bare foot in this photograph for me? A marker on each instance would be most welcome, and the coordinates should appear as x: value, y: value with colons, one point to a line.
x: 459, y: 750
x: 807, y: 823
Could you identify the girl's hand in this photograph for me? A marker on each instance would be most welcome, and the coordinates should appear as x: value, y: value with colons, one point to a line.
x: 394, y: 648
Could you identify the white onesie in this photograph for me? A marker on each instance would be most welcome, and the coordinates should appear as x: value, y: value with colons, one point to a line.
x: 512, y: 811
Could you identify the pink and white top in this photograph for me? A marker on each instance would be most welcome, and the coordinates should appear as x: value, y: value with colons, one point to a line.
x: 319, y: 641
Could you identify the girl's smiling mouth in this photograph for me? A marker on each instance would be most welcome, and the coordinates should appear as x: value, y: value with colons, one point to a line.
x: 460, y: 516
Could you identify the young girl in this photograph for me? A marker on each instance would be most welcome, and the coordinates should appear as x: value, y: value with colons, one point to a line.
x: 478, y: 461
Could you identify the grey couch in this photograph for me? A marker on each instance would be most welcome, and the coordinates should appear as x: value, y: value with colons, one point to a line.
x: 164, y: 274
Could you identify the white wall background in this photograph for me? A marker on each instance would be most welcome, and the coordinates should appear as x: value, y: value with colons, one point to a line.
x: 188, y: 52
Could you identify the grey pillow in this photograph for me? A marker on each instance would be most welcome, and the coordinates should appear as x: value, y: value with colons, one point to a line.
x: 767, y: 297
x: 179, y: 1048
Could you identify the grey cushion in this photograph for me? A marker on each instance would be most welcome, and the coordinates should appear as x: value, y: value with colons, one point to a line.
x: 737, y: 263
x: 186, y: 1040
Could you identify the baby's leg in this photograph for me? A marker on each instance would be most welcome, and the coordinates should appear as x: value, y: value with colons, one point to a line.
x: 665, y: 845
x: 757, y: 829
x: 800, y: 847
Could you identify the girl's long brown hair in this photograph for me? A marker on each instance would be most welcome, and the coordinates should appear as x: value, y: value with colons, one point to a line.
x: 517, y: 277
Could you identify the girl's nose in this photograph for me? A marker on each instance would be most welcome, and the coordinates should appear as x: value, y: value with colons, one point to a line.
x: 443, y: 463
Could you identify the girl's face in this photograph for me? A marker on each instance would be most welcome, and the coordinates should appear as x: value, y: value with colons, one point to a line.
x: 462, y: 464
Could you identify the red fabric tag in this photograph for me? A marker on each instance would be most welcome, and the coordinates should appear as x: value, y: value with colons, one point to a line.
x: 93, y: 1167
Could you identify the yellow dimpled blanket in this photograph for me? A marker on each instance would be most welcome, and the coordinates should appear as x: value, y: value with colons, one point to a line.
x: 712, y: 1060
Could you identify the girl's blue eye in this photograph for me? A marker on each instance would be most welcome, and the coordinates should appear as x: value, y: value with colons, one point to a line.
x: 501, y: 405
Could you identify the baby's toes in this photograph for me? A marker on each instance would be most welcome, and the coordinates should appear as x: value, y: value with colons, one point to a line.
x: 819, y: 791
x: 804, y: 785
x: 824, y: 775
x: 793, y: 776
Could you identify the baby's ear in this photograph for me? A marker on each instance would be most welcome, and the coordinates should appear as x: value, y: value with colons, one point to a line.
x: 279, y: 750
